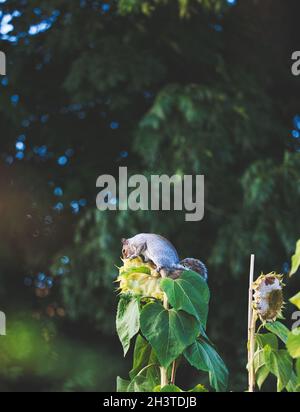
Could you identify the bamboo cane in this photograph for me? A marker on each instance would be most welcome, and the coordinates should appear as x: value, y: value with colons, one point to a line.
x: 251, y: 329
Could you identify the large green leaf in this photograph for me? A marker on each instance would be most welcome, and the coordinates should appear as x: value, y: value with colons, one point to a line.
x: 127, y: 322
x: 279, y: 329
x: 295, y: 259
x: 122, y: 384
x: 295, y: 300
x: 298, y: 369
x: 174, y: 388
x: 143, y: 355
x: 145, y: 380
x: 189, y: 293
x: 198, y: 388
x: 293, y: 384
x: 261, y: 370
x: 204, y: 357
x: 168, y: 331
x: 267, y: 339
x: 169, y: 388
x: 261, y: 375
x: 279, y: 364
x: 293, y: 343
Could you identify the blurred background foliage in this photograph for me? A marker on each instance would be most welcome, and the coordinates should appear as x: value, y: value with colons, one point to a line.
x: 197, y: 86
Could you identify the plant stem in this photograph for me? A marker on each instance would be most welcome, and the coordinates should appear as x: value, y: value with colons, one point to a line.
x: 251, y: 329
x: 163, y: 370
x: 173, y: 373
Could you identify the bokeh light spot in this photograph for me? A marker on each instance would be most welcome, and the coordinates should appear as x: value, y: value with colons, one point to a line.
x: 62, y: 160
x: 41, y: 276
x: 105, y: 7
x: 58, y: 191
x: 4, y: 81
x: 65, y: 260
x: 75, y: 206
x: 15, y: 99
x: 20, y: 146
x: 114, y: 125
x: 82, y: 202
x: 58, y: 207
x: 20, y: 155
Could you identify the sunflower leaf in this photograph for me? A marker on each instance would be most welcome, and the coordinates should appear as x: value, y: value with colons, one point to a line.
x: 204, y: 357
x: 279, y: 329
x: 189, y: 293
x: 293, y: 343
x: 295, y: 259
x: 168, y: 331
x: 127, y: 322
x: 280, y: 364
x: 295, y: 300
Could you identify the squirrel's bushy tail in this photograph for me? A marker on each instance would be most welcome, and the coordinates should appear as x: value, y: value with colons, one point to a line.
x: 196, y: 265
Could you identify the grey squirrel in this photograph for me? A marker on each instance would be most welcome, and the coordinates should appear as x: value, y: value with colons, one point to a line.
x: 162, y: 253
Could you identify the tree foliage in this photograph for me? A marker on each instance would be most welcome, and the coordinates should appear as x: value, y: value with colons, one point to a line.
x: 161, y: 87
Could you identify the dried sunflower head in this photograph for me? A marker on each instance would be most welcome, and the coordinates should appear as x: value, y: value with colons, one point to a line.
x: 268, y: 297
x: 140, y: 279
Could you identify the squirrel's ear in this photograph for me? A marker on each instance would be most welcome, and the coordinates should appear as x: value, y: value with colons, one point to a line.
x: 124, y: 241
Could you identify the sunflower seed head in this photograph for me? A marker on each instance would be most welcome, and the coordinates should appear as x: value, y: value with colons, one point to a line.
x: 268, y: 297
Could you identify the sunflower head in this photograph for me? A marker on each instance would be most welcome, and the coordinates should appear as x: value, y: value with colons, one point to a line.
x: 139, y: 279
x: 268, y: 297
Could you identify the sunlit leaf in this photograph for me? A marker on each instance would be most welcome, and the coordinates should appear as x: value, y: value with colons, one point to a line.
x: 293, y: 384
x: 198, y: 388
x: 298, y: 368
x: 258, y: 360
x: 295, y: 300
x: 295, y: 259
x: 170, y: 388
x: 279, y: 329
x: 279, y: 364
x: 261, y: 376
x: 293, y: 343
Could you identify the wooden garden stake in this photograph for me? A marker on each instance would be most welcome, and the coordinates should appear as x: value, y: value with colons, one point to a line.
x: 251, y: 329
x: 163, y: 370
